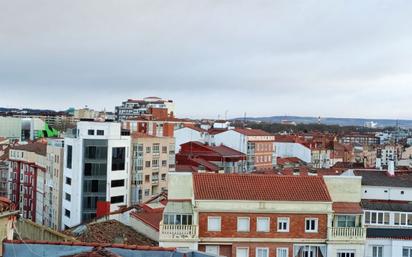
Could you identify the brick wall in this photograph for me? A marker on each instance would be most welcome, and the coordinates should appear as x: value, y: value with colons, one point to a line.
x: 296, y: 226
x: 230, y: 250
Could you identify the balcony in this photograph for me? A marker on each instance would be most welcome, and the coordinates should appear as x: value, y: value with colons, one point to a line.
x: 347, y: 233
x: 179, y: 232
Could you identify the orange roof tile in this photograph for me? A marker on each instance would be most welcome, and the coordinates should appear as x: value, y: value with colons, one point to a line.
x: 347, y: 208
x: 209, y: 186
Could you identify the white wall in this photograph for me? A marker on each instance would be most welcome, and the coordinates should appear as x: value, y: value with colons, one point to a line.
x: 184, y: 135
x: 391, y: 247
x: 232, y: 139
x: 387, y: 193
x: 286, y: 149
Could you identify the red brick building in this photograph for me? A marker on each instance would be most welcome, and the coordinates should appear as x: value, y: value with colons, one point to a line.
x: 208, y: 158
x: 252, y: 215
x: 27, y: 167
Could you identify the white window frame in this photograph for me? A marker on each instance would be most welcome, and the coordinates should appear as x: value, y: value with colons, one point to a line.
x: 257, y: 224
x: 242, y: 248
x: 345, y: 253
x: 215, y: 251
x: 377, y: 251
x: 208, y: 224
x: 262, y: 248
x: 315, y: 230
x: 248, y: 224
x: 283, y: 220
x: 280, y: 251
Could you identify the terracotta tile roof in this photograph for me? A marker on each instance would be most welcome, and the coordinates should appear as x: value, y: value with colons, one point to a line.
x: 151, y: 218
x: 209, y: 186
x: 252, y: 132
x: 108, y: 232
x: 346, y: 208
x: 36, y: 147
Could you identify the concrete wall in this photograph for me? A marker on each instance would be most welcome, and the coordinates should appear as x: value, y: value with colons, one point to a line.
x: 344, y: 189
x: 285, y: 149
x: 30, y: 230
x: 10, y: 127
x: 387, y: 193
x: 180, y: 186
x: 184, y: 135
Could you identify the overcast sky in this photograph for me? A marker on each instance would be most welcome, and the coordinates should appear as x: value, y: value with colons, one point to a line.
x: 278, y: 57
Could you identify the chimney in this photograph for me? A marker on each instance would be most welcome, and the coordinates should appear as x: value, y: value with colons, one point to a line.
x: 391, y: 168
x: 378, y: 164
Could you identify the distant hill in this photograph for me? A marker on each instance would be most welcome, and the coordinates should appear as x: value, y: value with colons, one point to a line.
x: 332, y: 121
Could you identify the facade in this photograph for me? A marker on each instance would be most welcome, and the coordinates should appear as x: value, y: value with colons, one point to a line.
x: 291, y: 148
x: 189, y: 133
x: 242, y: 215
x: 390, y: 152
x: 96, y: 171
x: 54, y: 183
x: 201, y: 156
x: 258, y: 146
x: 27, y: 173
x: 4, y: 166
x: 386, y: 198
x: 132, y: 108
x: 152, y: 160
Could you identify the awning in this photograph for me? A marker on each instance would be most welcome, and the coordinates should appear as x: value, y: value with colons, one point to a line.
x: 347, y: 208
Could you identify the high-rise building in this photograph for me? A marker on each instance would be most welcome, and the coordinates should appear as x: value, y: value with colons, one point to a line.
x: 96, y: 171
x: 155, y: 106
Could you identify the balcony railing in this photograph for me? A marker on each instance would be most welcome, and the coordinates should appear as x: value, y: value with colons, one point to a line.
x: 347, y: 233
x: 178, y: 231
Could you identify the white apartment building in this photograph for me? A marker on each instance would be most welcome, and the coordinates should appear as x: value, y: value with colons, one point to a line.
x: 386, y: 198
x: 96, y: 171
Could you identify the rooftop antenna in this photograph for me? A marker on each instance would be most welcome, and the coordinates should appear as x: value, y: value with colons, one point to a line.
x: 226, y: 114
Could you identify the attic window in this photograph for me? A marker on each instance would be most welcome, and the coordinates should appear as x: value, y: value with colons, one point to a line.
x: 402, y: 192
x: 385, y: 191
x: 366, y: 191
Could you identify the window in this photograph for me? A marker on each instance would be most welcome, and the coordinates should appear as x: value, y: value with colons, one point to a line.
x: 68, y: 197
x: 90, y: 132
x: 407, y: 252
x: 283, y: 224
x: 118, y: 158
x: 164, y: 149
x: 212, y: 249
x: 163, y: 177
x: 262, y: 224
x: 262, y: 252
x: 377, y: 218
x: 148, y: 149
x: 377, y: 251
x: 68, y: 181
x: 156, y: 148
x: 147, y: 164
x: 242, y: 252
x: 69, y: 156
x: 311, y: 225
x: 118, y: 183
x: 346, y: 221
x: 213, y: 224
x: 282, y: 252
x: 155, y: 163
x: 177, y: 219
x: 117, y: 199
x: 67, y: 213
x: 100, y: 132
x: 346, y: 254
x: 164, y: 163
x: 146, y: 192
x: 243, y: 224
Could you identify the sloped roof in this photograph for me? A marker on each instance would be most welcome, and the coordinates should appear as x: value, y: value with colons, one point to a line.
x: 36, y: 147
x: 346, y: 208
x: 252, y: 132
x: 381, y: 178
x: 209, y: 186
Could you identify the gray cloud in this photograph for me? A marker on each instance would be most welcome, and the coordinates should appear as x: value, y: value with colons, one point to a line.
x: 329, y: 58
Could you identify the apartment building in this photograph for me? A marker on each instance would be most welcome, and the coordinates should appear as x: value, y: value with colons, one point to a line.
x: 359, y: 139
x: 201, y: 156
x: 244, y: 215
x: 389, y: 152
x: 27, y: 179
x: 4, y: 165
x: 386, y: 201
x: 96, y: 171
x: 134, y: 108
x: 292, y: 146
x: 54, y: 183
x: 257, y: 144
x: 152, y: 160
